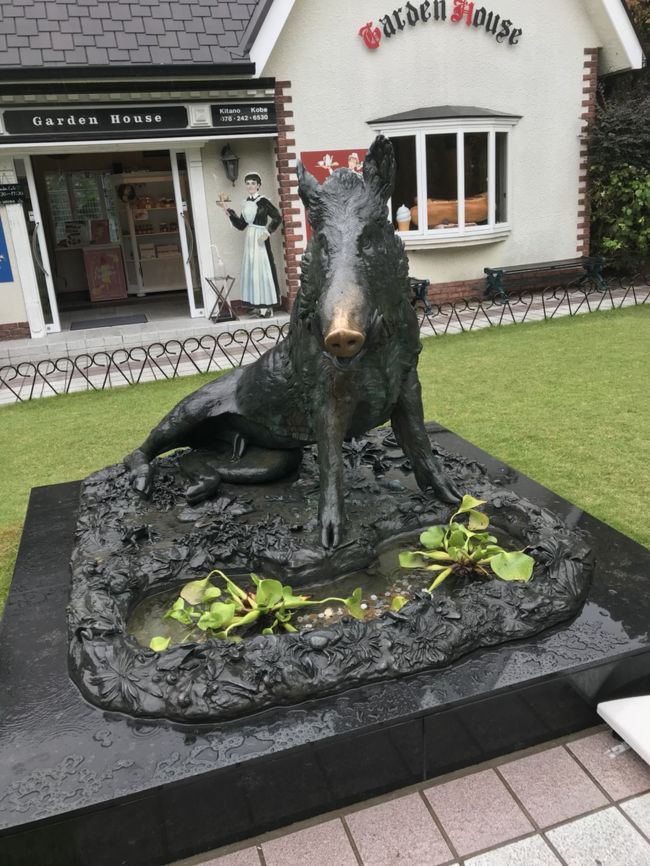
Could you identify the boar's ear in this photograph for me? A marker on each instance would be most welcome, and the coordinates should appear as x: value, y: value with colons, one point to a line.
x: 307, y: 185
x: 379, y: 167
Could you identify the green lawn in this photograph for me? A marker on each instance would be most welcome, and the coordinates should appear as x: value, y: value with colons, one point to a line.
x: 565, y: 402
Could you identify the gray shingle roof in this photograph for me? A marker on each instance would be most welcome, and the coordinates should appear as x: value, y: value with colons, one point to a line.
x: 57, y: 33
x: 441, y: 112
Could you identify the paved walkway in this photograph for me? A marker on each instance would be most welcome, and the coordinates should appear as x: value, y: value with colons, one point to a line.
x: 174, y: 346
x: 583, y: 800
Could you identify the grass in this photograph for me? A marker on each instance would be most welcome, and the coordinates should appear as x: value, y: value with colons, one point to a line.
x: 565, y: 402
x: 562, y: 401
x: 65, y: 438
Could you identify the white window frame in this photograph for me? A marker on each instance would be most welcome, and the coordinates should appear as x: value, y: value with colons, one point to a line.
x: 460, y: 235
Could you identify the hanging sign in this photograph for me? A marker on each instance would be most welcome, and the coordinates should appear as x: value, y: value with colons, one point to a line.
x: 11, y: 193
x: 85, y: 121
x: 455, y: 12
x: 6, y: 275
x: 244, y: 116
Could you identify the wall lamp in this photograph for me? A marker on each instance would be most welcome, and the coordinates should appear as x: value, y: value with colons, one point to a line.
x: 230, y: 162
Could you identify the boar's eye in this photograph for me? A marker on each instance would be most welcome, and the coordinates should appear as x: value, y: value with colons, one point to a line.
x: 367, y: 243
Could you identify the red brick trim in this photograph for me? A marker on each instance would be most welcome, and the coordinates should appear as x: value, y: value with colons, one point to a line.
x: 447, y: 293
x: 14, y: 331
x: 589, y: 88
x: 289, y: 198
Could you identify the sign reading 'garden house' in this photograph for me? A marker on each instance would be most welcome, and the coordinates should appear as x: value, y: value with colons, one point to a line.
x: 412, y: 14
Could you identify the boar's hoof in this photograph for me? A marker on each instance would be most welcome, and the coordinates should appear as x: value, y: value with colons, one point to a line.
x: 430, y: 475
x: 331, y: 532
x: 141, y: 473
x: 344, y: 343
x: 446, y: 490
x: 205, y: 487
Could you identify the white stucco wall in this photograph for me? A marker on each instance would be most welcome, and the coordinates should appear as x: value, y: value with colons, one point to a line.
x: 338, y: 85
x: 255, y: 154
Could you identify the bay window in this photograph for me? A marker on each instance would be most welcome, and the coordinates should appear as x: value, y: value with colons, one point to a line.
x: 451, y: 185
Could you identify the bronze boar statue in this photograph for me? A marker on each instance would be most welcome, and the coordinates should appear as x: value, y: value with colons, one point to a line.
x: 348, y: 364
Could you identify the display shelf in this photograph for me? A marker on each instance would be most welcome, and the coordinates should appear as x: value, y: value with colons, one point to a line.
x: 162, y: 259
x: 155, y: 234
x: 150, y: 189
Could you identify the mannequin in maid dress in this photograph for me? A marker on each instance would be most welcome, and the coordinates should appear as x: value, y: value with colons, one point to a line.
x: 258, y: 218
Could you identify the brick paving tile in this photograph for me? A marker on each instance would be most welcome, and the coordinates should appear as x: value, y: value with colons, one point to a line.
x: 400, y: 831
x: 552, y: 787
x: 605, y: 838
x: 247, y: 857
x: 638, y: 810
x: 323, y: 845
x: 458, y: 803
x: 532, y: 852
x: 618, y: 769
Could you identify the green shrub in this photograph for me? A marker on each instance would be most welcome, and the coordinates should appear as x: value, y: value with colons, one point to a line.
x: 619, y: 152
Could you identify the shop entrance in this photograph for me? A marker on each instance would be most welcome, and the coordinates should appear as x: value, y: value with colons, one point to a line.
x: 112, y: 236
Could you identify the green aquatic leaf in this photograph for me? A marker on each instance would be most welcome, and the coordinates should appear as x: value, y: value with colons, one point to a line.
x: 432, y: 537
x: 249, y: 617
x: 236, y: 592
x: 398, y: 603
x: 269, y: 593
x: 413, y: 559
x: 199, y: 591
x: 514, y: 565
x: 219, y: 616
x: 456, y: 540
x: 478, y: 520
x: 439, y: 579
x: 291, y: 600
x: 353, y: 604
x: 159, y: 644
x: 469, y: 503
x: 181, y: 612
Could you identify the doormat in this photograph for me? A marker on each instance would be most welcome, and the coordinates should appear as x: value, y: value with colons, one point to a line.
x: 109, y: 322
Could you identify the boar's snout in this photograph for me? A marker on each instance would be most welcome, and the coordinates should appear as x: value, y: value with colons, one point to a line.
x: 344, y: 342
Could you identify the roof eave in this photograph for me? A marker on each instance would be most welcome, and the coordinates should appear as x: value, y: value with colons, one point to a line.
x: 134, y: 71
x: 629, y: 54
x: 267, y: 31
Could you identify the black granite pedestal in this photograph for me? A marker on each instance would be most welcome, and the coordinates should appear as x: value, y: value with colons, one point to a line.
x: 79, y: 786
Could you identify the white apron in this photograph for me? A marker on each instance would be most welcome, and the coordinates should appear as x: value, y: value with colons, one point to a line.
x: 257, y: 286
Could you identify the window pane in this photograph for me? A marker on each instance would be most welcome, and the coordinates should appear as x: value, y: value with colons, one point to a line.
x: 501, y: 186
x: 108, y: 191
x: 86, y: 199
x: 406, y: 185
x: 476, y: 178
x: 59, y: 200
x: 442, y: 181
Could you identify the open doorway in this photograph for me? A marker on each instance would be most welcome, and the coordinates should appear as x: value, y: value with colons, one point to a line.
x: 118, y: 236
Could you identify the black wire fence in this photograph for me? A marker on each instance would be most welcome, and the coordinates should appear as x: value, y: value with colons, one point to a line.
x: 96, y: 371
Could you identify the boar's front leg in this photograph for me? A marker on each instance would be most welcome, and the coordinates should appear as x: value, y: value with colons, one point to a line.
x: 330, y: 434
x: 407, y: 420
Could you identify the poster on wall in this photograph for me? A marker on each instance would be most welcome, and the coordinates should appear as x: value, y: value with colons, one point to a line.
x: 105, y: 274
x: 100, y: 231
x: 322, y: 163
x: 6, y: 275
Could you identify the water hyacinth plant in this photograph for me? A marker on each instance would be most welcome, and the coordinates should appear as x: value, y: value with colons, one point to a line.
x: 205, y: 607
x: 466, y: 548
